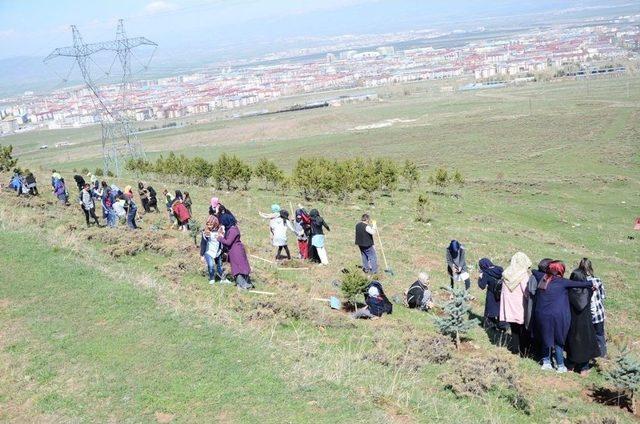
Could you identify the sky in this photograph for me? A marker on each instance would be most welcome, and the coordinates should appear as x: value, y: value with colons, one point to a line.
x: 35, y: 27
x: 192, y: 34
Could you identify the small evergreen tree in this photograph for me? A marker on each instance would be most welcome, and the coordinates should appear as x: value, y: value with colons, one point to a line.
x: 84, y: 171
x: 440, y: 177
x: 98, y: 172
x: 7, y: 162
x: 411, y: 174
x: 353, y: 285
x: 625, y: 376
x: 458, y: 178
x: 456, y: 321
x: 423, y: 206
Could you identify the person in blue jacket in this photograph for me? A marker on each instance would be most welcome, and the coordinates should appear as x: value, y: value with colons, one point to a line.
x: 552, y: 314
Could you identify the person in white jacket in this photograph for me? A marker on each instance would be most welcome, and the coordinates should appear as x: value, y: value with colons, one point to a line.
x: 279, y: 227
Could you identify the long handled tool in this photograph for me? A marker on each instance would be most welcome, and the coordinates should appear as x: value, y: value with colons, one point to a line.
x: 387, y: 269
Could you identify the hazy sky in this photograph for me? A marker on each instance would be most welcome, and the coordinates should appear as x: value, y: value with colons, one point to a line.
x: 35, y: 27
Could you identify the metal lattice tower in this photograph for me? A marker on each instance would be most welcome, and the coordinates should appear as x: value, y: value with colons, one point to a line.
x: 119, y: 141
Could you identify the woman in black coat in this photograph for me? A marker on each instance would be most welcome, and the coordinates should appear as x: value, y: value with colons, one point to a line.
x: 490, y: 280
x: 582, y: 343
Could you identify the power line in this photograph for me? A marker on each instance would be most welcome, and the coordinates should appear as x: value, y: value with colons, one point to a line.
x: 119, y: 141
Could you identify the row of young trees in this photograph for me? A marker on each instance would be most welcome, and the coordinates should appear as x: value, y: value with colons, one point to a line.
x: 316, y: 178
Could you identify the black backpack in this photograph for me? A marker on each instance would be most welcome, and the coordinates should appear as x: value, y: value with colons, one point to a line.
x: 415, y: 295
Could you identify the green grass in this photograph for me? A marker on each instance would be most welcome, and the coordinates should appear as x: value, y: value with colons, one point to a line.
x: 560, y: 182
x: 92, y: 347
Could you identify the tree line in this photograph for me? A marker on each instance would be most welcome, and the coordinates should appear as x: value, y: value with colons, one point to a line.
x: 316, y: 178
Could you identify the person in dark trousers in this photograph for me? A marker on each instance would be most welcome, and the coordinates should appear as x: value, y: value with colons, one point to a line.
x: 30, y: 180
x: 457, y: 264
x: 153, y: 199
x: 597, y: 304
x: 376, y: 301
x: 552, y: 314
x: 144, y: 197
x: 317, y: 237
x: 490, y: 279
x: 79, y: 179
x: 582, y: 343
x: 364, y: 240
x: 87, y: 204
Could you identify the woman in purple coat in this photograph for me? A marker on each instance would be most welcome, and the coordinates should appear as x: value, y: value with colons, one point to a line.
x: 229, y: 236
x: 552, y: 314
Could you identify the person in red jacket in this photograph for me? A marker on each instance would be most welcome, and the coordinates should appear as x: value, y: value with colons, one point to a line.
x: 181, y: 213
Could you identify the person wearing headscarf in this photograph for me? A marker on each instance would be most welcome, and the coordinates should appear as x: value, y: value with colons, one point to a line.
x: 229, y: 236
x: 188, y: 203
x: 597, y: 304
x: 275, y: 212
x: 60, y: 190
x: 302, y: 227
x: 211, y: 250
x: 552, y: 314
x: 457, y: 264
x: 107, y: 200
x: 317, y: 235
x: 181, y: 213
x: 131, y: 208
x: 490, y: 276
x: 216, y: 208
x: 515, y: 279
x: 169, y: 199
x: 582, y: 343
x: 530, y: 301
x: 376, y: 301
x: 144, y: 197
x: 278, y: 227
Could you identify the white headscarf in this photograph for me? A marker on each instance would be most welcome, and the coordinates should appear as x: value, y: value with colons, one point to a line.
x: 517, y: 271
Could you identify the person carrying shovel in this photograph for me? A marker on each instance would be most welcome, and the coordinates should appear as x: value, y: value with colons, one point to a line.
x: 365, y: 229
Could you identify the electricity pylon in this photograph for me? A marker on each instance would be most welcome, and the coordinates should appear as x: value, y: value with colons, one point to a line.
x: 119, y: 141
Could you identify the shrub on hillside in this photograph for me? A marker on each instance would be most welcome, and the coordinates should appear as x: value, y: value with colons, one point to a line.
x: 440, y: 177
x: 84, y: 171
x: 458, y: 179
x: 98, y: 172
x: 411, y: 174
x: 423, y: 207
x: 353, y: 284
x: 269, y: 172
x: 7, y: 161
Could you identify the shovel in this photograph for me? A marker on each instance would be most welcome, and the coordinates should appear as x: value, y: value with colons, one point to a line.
x: 334, y: 302
x: 387, y: 269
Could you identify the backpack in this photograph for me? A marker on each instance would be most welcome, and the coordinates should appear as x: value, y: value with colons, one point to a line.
x: 387, y: 306
x: 497, y: 291
x: 152, y: 192
x: 415, y: 295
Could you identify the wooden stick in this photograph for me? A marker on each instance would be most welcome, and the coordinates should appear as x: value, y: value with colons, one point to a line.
x: 292, y: 269
x: 320, y: 300
x: 262, y: 259
x: 261, y: 292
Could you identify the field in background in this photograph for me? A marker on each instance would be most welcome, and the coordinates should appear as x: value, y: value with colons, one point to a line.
x: 551, y: 169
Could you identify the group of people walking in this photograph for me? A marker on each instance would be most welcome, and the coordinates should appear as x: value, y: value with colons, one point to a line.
x: 546, y: 313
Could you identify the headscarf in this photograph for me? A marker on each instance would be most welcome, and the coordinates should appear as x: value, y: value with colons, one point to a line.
x: 284, y: 215
x: 544, y: 264
x: 454, y: 248
x: 275, y: 208
x: 373, y: 292
x: 517, y: 271
x: 227, y: 220
x: 56, y: 176
x: 215, y: 202
x: 555, y: 269
x: 179, y: 195
x: 423, y: 277
x: 314, y: 213
x: 488, y: 268
x: 127, y: 189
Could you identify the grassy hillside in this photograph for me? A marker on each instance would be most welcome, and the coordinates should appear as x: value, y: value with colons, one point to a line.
x: 128, y: 326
